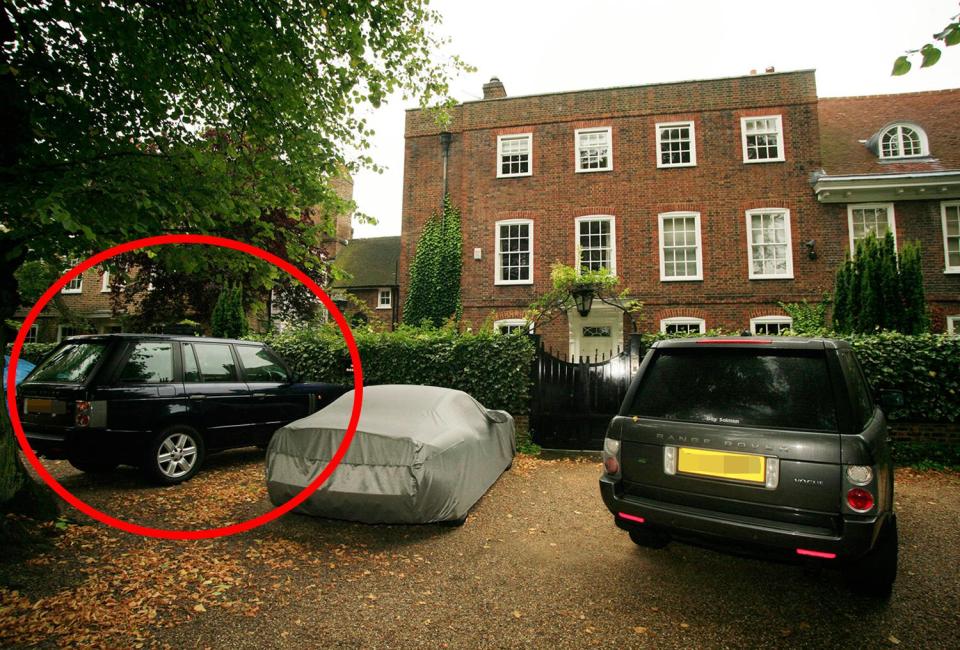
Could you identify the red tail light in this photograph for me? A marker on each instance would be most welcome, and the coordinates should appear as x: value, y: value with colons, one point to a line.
x: 82, y: 415
x: 820, y: 554
x: 744, y: 340
x: 635, y: 518
x: 611, y: 464
x: 859, y: 499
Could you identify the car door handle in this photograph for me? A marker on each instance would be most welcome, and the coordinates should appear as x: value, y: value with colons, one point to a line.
x: 261, y: 395
x: 198, y: 397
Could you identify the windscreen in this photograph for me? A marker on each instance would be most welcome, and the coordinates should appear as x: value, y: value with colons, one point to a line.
x: 70, y: 364
x: 783, y: 389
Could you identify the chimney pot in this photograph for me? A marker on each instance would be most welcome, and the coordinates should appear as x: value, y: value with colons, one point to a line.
x: 753, y: 72
x: 494, y: 89
x: 770, y: 69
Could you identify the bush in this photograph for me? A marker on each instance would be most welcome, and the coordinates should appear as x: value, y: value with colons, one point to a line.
x: 493, y: 368
x: 926, y: 455
x: 33, y: 352
x: 228, y: 319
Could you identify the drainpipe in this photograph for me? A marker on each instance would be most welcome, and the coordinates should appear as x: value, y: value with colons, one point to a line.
x: 445, y: 138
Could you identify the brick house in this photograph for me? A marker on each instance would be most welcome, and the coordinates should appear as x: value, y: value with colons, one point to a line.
x: 712, y: 200
x: 372, y: 265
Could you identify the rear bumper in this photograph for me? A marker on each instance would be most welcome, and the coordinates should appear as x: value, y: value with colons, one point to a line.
x: 750, y: 535
x: 62, y: 443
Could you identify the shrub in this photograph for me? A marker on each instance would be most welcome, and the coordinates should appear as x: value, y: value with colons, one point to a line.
x: 33, y: 352
x: 492, y: 367
x: 228, y: 319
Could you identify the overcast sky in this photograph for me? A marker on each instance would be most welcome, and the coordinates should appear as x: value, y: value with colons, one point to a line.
x: 539, y: 46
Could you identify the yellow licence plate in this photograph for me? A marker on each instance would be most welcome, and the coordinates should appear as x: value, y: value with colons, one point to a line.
x: 34, y: 405
x: 722, y: 464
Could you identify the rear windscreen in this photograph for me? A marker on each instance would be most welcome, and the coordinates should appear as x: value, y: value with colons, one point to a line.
x: 70, y: 364
x: 783, y: 389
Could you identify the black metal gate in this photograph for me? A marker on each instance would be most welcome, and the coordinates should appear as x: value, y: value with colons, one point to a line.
x: 574, y: 399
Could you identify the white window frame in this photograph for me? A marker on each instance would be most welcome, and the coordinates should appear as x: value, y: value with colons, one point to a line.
x: 75, y: 285
x: 767, y: 320
x: 663, y: 216
x: 943, y: 222
x: 613, y: 239
x: 891, y: 221
x: 33, y: 334
x: 789, y: 244
x: 576, y: 149
x: 497, y: 256
x: 380, y: 296
x: 693, y: 143
x: 781, y: 154
x: 514, y: 136
x: 105, y: 282
x: 924, y: 143
x: 682, y: 320
x: 512, y: 322
x: 953, y: 325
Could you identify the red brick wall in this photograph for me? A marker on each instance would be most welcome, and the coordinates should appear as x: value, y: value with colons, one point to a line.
x: 370, y: 298
x: 721, y: 188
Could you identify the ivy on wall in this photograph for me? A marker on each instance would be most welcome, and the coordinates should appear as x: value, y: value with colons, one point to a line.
x: 434, y: 287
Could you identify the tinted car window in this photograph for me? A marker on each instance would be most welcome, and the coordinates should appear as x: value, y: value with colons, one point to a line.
x: 216, y: 362
x: 857, y: 385
x: 71, y: 364
x: 191, y: 373
x: 150, y: 362
x: 260, y: 365
x: 777, y: 389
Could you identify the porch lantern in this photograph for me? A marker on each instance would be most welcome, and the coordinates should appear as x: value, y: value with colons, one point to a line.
x: 583, y: 299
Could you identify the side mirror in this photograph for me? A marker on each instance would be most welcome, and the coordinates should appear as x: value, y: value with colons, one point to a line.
x: 890, y: 399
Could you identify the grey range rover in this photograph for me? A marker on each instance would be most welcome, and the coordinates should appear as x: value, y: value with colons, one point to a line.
x: 772, y: 446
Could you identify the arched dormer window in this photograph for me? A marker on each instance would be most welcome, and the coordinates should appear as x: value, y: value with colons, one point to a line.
x: 903, y: 141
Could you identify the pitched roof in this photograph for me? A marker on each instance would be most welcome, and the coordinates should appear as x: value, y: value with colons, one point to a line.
x: 846, y: 123
x: 372, y: 262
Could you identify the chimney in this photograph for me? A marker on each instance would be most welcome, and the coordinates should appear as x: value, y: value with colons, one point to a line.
x: 770, y: 69
x: 494, y: 89
x: 753, y: 72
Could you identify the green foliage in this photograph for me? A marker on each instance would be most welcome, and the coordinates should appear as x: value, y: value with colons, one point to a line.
x: 875, y: 291
x: 929, y: 53
x: 434, y: 290
x: 528, y: 447
x: 494, y: 369
x: 33, y: 352
x: 808, y: 318
x: 228, y: 319
x: 926, y: 367
x: 567, y: 279
x: 926, y: 455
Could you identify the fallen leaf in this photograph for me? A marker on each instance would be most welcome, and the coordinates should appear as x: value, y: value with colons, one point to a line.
x: 684, y: 625
x: 639, y: 629
x: 516, y: 613
x: 894, y: 640
x: 199, y: 608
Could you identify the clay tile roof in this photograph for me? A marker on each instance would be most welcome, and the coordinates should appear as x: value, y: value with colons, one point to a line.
x: 846, y: 121
x: 372, y: 262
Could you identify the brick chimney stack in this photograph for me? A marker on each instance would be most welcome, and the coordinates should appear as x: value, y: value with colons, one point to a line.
x: 494, y: 89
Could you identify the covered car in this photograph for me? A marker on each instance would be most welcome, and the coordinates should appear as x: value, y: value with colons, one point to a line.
x: 421, y: 454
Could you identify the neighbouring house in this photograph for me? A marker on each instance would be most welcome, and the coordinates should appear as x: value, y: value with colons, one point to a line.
x: 712, y: 200
x: 372, y: 266
x: 84, y: 305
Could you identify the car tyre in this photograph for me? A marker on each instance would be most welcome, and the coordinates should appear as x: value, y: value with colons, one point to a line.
x: 94, y: 465
x: 649, y: 538
x: 874, y: 573
x: 174, y: 455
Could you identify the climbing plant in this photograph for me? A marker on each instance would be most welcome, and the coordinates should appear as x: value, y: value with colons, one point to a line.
x: 434, y: 293
x: 567, y: 279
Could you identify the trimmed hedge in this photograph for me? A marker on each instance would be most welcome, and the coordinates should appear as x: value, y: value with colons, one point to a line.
x: 33, y: 352
x: 494, y: 368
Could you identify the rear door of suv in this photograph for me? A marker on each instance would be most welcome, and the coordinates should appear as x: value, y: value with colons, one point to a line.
x: 273, y: 402
x: 747, y: 429
x: 219, y: 398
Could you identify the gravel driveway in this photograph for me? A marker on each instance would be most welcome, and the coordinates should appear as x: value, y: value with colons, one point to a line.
x: 539, y: 563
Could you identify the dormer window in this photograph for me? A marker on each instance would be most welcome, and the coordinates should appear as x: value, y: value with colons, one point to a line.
x: 903, y: 141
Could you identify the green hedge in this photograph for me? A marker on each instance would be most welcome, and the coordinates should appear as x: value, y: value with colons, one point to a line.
x: 494, y: 368
x: 33, y: 352
x: 926, y: 367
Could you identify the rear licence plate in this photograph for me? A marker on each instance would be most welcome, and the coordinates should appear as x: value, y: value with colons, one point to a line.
x: 35, y: 405
x: 722, y: 464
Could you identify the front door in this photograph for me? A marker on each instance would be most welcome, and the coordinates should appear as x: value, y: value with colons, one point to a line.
x: 598, y: 335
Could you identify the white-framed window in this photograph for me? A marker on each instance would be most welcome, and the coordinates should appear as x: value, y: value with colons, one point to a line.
x: 683, y: 325
x: 762, y: 138
x: 866, y: 218
x: 676, y: 144
x: 514, y: 246
x: 681, y: 257
x: 594, y: 149
x: 105, y: 282
x: 514, y: 153
x: 770, y: 325
x: 63, y: 331
x: 950, y: 215
x: 76, y: 284
x: 511, y: 325
x: 769, y: 245
x: 384, y: 298
x: 33, y: 334
x: 953, y: 325
x: 596, y: 238
x: 903, y: 141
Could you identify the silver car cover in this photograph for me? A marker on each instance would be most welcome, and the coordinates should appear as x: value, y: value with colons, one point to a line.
x: 420, y: 454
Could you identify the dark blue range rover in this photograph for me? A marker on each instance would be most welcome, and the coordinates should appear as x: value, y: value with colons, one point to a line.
x: 160, y: 402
